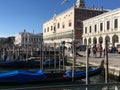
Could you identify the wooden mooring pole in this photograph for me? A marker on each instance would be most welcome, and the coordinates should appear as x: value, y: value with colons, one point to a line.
x: 106, y: 64
x: 87, y: 66
x: 73, y: 65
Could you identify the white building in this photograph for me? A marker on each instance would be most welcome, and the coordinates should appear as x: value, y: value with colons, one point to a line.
x: 105, y: 26
x: 28, y: 39
x: 68, y: 25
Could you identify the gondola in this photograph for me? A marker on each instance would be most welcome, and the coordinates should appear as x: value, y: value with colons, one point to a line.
x: 27, y: 63
x: 33, y: 76
x: 19, y: 64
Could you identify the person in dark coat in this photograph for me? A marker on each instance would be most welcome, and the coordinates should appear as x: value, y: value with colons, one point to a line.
x: 89, y: 51
x: 94, y: 49
x: 100, y: 50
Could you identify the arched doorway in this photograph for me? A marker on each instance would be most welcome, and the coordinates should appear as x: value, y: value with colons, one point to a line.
x: 100, y: 40
x: 89, y: 41
x: 107, y: 41
x: 94, y: 40
x: 115, y: 39
x: 85, y: 41
x: 107, y: 38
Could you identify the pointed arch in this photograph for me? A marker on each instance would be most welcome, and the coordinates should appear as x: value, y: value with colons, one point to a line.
x: 107, y: 38
x: 94, y: 40
x: 115, y: 39
x: 70, y: 23
x: 100, y: 40
x: 89, y: 41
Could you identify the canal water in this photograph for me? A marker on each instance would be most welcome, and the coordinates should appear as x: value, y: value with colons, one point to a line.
x: 93, y: 80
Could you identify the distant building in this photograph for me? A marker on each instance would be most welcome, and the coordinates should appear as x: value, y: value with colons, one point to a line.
x: 28, y: 39
x: 6, y: 43
x: 105, y: 26
x: 7, y: 40
x: 2, y: 39
x: 68, y: 25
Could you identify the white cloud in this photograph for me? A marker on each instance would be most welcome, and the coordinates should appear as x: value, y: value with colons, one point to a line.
x: 5, y: 35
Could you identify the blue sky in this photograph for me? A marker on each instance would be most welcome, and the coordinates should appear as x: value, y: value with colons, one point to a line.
x: 17, y: 15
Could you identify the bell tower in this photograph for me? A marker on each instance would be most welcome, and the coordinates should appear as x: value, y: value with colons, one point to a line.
x: 80, y: 4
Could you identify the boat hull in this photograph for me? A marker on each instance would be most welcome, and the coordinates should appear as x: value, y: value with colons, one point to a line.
x: 37, y: 76
x: 27, y: 64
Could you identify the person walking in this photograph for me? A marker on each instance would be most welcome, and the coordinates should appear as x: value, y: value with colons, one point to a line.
x: 94, y: 49
x: 100, y: 51
x: 89, y: 51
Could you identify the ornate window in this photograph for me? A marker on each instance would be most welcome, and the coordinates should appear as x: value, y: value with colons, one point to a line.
x: 79, y: 13
x: 101, y: 26
x: 95, y: 28
x: 116, y: 23
x: 94, y: 40
x: 108, y: 25
x: 107, y: 38
x: 85, y: 29
x: 63, y: 25
x: 89, y: 41
x: 85, y: 41
x: 70, y: 23
x: 90, y: 29
x: 45, y: 30
x: 79, y: 24
x: 115, y: 38
x: 58, y: 26
x: 51, y: 28
x: 48, y: 29
x: 54, y: 28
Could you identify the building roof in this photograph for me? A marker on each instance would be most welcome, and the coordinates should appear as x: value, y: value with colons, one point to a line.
x: 104, y: 14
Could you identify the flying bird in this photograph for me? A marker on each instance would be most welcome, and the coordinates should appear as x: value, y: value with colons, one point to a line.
x: 64, y: 1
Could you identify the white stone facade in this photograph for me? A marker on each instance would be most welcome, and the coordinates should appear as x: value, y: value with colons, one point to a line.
x: 68, y: 25
x: 101, y: 27
x: 25, y: 38
x: 59, y: 28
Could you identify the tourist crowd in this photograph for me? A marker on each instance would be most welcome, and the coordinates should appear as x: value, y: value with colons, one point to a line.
x: 99, y: 51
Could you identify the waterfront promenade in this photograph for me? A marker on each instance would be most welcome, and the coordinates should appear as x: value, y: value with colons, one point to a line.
x: 113, y: 61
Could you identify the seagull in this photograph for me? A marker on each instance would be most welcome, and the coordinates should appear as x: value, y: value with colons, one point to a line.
x: 64, y: 1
